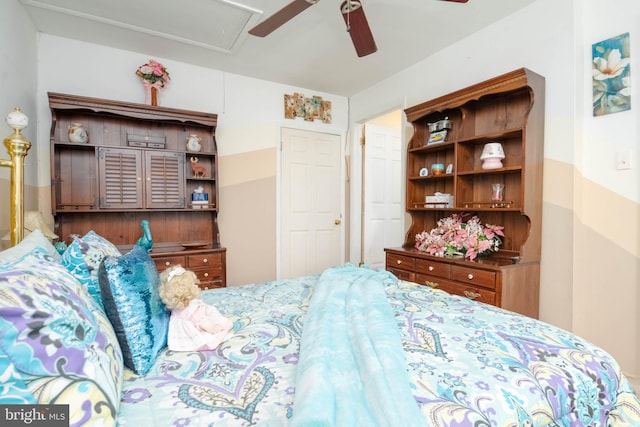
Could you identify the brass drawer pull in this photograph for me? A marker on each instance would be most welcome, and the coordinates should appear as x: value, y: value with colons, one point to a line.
x: 471, y: 295
x: 431, y: 284
x: 470, y: 276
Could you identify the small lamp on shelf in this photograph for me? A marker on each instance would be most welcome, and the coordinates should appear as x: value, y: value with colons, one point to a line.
x: 492, y: 155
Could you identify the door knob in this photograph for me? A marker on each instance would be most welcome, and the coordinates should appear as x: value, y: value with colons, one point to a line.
x: 337, y: 222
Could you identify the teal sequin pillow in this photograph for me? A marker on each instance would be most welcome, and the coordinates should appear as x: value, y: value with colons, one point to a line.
x: 83, y: 257
x: 129, y: 287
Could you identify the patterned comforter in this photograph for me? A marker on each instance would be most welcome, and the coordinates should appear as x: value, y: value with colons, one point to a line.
x: 469, y: 364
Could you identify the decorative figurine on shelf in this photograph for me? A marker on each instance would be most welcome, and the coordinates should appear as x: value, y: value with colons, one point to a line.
x: 146, y: 241
x: 194, y: 325
x: 198, y: 171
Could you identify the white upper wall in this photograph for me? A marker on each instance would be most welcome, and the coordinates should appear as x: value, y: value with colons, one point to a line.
x: 605, y: 136
x: 81, y: 68
x: 532, y: 38
x: 18, y: 71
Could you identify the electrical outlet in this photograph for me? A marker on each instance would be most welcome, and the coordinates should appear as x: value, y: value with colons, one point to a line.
x: 623, y: 160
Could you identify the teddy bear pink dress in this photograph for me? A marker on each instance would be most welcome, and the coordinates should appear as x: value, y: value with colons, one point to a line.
x: 199, y: 326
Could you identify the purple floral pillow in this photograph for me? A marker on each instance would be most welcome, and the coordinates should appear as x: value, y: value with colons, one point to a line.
x: 58, y: 339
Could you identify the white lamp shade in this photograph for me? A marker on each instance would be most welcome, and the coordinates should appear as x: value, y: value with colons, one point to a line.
x: 492, y: 150
x: 492, y: 155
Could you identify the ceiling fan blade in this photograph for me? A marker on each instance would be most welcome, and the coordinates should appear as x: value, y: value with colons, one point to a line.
x: 358, y: 27
x: 285, y: 14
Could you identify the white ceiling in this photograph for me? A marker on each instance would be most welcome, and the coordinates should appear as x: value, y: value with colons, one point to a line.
x: 311, y: 51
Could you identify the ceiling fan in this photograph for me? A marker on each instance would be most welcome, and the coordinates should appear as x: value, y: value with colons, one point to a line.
x: 352, y: 12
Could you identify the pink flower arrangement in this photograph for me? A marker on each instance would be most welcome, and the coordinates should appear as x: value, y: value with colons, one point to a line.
x: 454, y: 237
x: 153, y: 73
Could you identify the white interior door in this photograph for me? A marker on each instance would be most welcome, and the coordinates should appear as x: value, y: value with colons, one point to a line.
x: 311, y: 219
x: 383, y: 209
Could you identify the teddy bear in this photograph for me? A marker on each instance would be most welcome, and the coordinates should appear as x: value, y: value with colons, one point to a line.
x: 193, y: 324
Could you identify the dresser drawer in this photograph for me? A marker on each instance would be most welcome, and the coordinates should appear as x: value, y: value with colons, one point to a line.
x: 433, y: 268
x: 204, y: 260
x: 402, y: 274
x: 473, y: 276
x: 427, y: 280
x: 162, y: 263
x: 209, y: 267
x: 400, y: 262
x: 210, y: 277
x: 472, y: 292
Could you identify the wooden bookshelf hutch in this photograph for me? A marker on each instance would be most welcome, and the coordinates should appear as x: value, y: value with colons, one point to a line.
x: 135, y: 166
x: 508, y: 109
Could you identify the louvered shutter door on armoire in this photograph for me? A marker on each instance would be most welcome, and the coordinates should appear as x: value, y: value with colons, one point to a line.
x: 120, y: 180
x: 165, y: 175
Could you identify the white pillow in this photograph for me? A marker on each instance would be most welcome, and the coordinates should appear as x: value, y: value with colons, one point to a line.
x: 33, y: 240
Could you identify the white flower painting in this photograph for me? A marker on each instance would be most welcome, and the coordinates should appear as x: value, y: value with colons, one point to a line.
x: 611, y: 75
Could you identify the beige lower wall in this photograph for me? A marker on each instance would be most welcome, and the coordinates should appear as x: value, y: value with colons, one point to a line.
x: 32, y: 199
x: 247, y: 223
x: 556, y: 267
x: 590, y: 266
x: 247, y: 219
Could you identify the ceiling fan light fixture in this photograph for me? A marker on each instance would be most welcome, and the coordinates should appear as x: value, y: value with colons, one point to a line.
x: 350, y: 6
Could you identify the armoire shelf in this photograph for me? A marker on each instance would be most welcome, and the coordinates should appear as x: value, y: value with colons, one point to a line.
x: 134, y: 166
x: 508, y: 109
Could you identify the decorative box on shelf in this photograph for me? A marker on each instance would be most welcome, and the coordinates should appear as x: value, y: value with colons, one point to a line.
x: 439, y: 200
x: 199, y: 199
x: 146, y: 141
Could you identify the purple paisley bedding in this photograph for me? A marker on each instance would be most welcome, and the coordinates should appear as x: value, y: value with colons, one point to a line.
x: 469, y: 364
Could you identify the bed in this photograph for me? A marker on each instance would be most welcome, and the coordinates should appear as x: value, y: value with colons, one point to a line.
x: 351, y: 346
x: 465, y: 364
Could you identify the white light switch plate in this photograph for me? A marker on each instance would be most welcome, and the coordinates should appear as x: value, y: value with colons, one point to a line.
x: 623, y: 160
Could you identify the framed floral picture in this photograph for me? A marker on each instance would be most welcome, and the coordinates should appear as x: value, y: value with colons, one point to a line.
x: 611, y: 75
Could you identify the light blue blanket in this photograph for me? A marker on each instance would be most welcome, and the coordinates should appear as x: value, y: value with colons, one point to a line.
x: 352, y: 370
